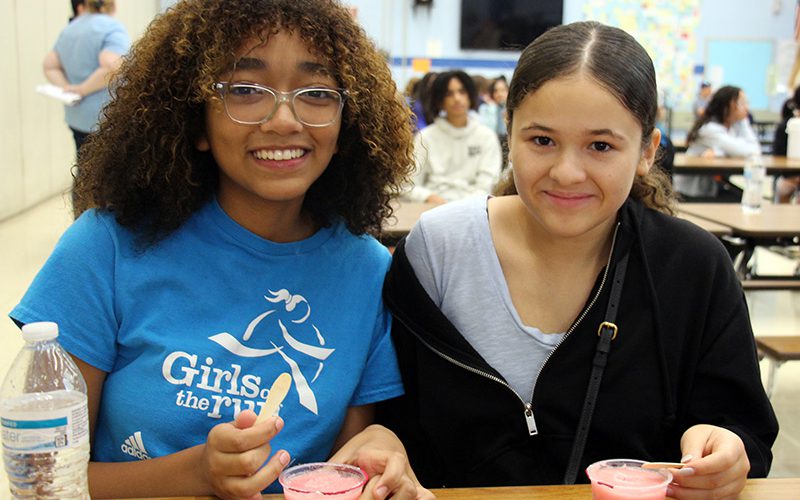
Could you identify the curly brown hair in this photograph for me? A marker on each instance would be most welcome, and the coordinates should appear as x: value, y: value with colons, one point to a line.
x: 615, y: 60
x: 142, y: 162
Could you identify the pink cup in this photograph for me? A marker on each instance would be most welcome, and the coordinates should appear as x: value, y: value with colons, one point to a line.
x: 322, y: 480
x: 622, y: 479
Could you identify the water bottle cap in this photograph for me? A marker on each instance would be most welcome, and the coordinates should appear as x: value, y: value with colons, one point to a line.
x: 40, y: 330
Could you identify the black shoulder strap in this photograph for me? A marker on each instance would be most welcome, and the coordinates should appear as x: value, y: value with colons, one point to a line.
x: 607, y: 332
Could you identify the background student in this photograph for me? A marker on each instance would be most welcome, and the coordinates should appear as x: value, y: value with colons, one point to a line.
x: 86, y: 54
x: 456, y: 156
x: 224, y: 207
x: 420, y: 102
x: 786, y: 187
x: 497, y: 344
x: 722, y: 131
x: 700, y: 103
x: 493, y: 113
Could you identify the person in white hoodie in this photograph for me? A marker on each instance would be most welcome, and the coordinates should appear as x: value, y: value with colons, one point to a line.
x: 456, y: 156
x: 722, y: 130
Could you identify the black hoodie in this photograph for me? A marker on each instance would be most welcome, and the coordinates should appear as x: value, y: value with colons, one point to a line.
x: 684, y: 355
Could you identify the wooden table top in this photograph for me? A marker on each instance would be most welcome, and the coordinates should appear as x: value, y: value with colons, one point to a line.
x: 717, y: 218
x: 782, y: 348
x: 711, y: 227
x: 773, y: 221
x: 684, y: 164
x: 406, y: 214
x: 756, y: 489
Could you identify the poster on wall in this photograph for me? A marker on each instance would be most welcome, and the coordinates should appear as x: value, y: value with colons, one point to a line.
x: 666, y: 29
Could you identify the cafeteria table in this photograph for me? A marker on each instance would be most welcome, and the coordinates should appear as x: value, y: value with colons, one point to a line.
x: 775, y: 165
x: 756, y: 489
x: 405, y: 215
x: 772, y: 225
x: 712, y: 227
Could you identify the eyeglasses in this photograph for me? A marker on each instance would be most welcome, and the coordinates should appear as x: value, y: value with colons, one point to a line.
x: 253, y: 104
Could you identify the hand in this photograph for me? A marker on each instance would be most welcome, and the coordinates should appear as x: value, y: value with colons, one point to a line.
x: 235, y: 452
x: 716, y: 465
x: 435, y: 198
x: 382, y: 456
x: 75, y: 89
x: 708, y: 153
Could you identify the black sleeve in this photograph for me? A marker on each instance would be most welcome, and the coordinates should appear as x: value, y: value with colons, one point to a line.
x: 727, y: 389
x: 779, y: 142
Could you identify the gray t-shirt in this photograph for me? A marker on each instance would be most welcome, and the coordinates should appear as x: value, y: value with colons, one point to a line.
x: 453, y: 256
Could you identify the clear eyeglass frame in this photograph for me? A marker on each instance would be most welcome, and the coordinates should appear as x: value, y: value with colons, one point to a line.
x: 223, y: 89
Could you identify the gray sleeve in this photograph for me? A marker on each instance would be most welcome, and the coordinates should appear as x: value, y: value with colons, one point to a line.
x: 418, y: 256
x: 740, y: 141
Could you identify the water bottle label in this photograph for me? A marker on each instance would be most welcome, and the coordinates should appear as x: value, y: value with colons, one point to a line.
x: 40, y: 432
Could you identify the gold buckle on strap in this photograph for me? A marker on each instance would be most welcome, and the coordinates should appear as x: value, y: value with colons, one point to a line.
x: 609, y: 325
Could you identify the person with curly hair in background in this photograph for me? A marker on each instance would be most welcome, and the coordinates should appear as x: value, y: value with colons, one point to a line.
x: 225, y: 213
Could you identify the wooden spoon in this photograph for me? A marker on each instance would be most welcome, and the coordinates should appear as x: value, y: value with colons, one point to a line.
x: 278, y: 391
x: 663, y: 465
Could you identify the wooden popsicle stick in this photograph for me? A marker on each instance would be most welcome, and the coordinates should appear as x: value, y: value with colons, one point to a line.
x: 278, y: 391
x: 663, y: 465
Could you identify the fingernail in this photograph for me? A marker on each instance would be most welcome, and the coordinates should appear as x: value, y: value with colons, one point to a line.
x: 686, y: 471
x: 278, y: 423
x: 670, y: 492
x: 381, y: 491
x: 283, y: 457
x: 686, y: 458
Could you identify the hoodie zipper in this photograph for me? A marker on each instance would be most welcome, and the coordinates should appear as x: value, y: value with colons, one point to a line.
x: 577, y: 321
x: 527, y: 406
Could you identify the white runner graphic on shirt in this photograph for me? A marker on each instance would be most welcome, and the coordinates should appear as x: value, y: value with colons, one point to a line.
x: 233, y: 345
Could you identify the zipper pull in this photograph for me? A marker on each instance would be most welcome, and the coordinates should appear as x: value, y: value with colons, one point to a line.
x: 532, y: 430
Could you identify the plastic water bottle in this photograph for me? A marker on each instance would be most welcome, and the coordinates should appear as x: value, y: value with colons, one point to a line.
x: 45, y: 420
x: 754, y: 175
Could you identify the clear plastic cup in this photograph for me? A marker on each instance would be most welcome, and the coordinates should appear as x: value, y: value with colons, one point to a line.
x: 322, y: 480
x: 622, y: 478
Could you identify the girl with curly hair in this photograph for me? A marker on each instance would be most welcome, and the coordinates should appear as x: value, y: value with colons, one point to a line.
x: 224, y: 213
x: 580, y: 300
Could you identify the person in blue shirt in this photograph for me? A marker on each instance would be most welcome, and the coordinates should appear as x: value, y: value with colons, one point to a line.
x: 225, y: 208
x: 87, y: 52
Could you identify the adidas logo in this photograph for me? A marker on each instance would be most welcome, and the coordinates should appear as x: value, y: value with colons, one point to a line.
x: 134, y: 446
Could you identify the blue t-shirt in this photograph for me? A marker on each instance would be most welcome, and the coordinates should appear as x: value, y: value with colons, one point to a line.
x: 78, y: 47
x: 196, y: 328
